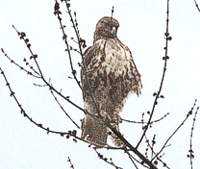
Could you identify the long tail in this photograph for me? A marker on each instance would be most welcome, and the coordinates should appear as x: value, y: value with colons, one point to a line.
x: 95, y: 131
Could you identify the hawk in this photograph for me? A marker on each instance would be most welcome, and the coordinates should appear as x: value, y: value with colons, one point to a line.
x: 108, y: 75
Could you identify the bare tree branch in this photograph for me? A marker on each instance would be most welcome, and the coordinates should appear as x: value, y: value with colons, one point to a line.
x: 187, y: 116
x: 70, y: 162
x: 34, y: 57
x: 197, y: 6
x: 62, y: 108
x: 165, y: 58
x: 139, y: 122
x: 108, y: 161
x: 191, y: 150
x: 58, y: 13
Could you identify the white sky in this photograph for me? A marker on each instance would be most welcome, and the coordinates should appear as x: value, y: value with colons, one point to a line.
x: 142, y: 27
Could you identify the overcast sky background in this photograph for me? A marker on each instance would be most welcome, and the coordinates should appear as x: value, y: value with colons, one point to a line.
x: 142, y: 28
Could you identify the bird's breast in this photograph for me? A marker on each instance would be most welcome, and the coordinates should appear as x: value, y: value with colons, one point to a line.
x: 117, y: 57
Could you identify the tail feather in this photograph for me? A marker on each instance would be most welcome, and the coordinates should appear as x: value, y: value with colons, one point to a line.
x: 94, y: 131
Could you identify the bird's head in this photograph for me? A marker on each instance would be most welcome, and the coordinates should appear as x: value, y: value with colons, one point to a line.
x: 107, y: 27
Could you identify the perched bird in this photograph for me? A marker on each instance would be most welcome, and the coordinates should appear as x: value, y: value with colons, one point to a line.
x: 108, y: 75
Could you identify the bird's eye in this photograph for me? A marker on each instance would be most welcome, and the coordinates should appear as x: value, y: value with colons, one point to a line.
x: 105, y: 24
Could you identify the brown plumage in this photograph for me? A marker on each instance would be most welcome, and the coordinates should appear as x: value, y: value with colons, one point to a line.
x: 108, y: 75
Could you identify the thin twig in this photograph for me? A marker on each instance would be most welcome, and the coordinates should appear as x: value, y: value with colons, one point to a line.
x: 34, y: 57
x: 197, y: 6
x: 187, y: 116
x: 139, y: 122
x: 153, y: 152
x: 21, y: 67
x: 70, y: 162
x: 12, y: 94
x: 191, y: 151
x: 165, y: 58
x: 132, y: 159
x: 75, y: 26
x: 62, y: 108
x: 106, y: 159
x: 58, y: 13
